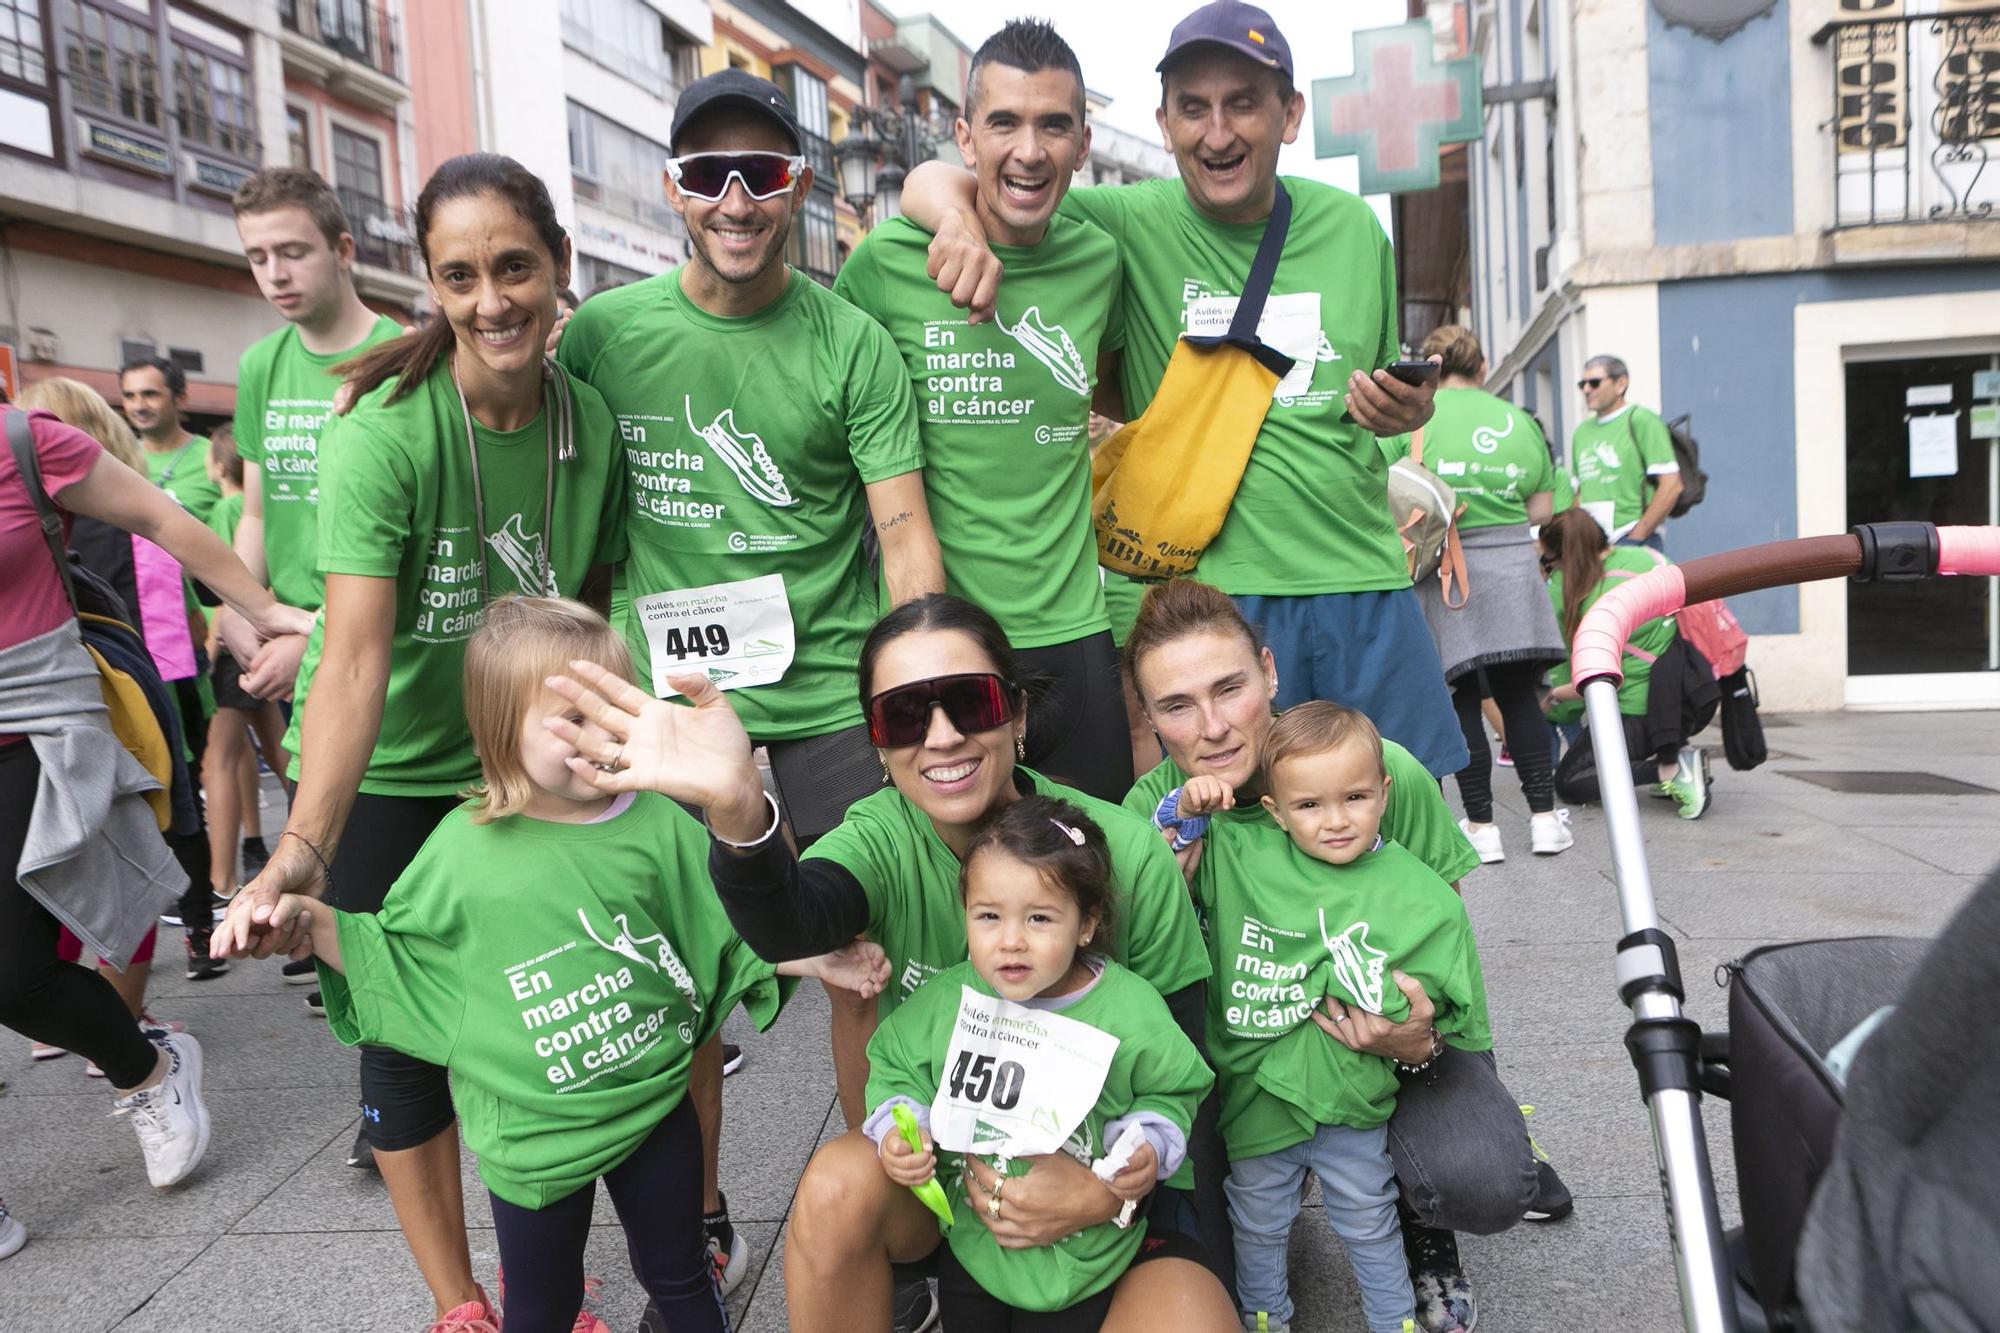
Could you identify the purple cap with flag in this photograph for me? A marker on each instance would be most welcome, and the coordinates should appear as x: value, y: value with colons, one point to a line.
x: 1239, y: 27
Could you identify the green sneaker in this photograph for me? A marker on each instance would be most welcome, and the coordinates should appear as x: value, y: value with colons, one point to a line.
x: 1689, y: 786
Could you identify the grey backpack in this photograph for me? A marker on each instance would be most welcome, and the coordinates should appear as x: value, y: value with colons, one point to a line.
x: 1425, y: 512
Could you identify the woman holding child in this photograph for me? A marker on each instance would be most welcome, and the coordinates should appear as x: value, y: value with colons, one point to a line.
x: 1459, y: 1146
x: 947, y: 709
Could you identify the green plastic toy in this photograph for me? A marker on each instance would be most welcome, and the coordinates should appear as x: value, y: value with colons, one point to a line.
x: 930, y: 1192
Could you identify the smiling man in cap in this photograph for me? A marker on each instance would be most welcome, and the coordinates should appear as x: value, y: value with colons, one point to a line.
x: 1308, y: 550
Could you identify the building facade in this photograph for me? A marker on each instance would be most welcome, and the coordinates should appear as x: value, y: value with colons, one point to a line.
x: 126, y: 125
x: 1787, y: 229
x: 822, y: 72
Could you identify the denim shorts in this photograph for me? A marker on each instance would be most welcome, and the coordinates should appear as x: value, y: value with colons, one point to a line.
x: 1371, y: 651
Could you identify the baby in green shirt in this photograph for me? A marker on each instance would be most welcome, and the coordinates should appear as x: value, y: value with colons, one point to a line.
x: 1038, y: 1043
x: 1310, y: 905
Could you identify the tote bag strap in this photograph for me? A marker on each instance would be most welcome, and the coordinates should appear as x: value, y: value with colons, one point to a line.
x: 21, y: 440
x: 1256, y: 290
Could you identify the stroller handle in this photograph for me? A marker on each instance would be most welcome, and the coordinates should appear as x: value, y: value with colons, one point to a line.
x: 1888, y: 552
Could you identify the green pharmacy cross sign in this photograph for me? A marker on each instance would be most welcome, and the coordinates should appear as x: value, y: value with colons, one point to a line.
x: 1396, y: 108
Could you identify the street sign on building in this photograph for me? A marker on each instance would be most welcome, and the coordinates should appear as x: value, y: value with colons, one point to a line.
x: 1396, y: 109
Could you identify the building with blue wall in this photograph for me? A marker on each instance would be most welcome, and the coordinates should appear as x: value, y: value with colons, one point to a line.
x: 1790, y: 232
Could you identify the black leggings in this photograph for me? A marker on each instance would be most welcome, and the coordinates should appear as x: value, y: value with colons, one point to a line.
x: 657, y: 1192
x: 42, y: 997
x: 405, y: 1102
x: 1512, y: 685
x: 1077, y: 730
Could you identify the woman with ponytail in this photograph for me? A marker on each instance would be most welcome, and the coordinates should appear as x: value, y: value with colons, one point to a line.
x: 1499, y: 642
x: 1668, y: 693
x: 466, y: 466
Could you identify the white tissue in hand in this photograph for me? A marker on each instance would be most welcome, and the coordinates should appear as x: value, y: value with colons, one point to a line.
x: 1120, y: 1155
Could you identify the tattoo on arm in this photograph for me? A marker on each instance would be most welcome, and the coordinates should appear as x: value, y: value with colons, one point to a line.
x: 897, y: 521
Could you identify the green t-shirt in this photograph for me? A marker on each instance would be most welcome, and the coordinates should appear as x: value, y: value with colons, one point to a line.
x: 1309, y: 517
x: 1005, y: 412
x: 749, y: 443
x: 1490, y: 452
x: 284, y: 395
x: 1645, y: 645
x: 396, y: 496
x: 183, y: 474
x: 1415, y: 815
x: 915, y: 914
x: 1285, y: 932
x: 563, y: 973
x: 1155, y: 1068
x: 1617, y: 464
x: 222, y: 519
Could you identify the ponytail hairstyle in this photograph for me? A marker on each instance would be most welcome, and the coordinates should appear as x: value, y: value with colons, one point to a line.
x: 409, y: 360
x: 1061, y: 844
x: 1575, y: 546
x: 1459, y: 347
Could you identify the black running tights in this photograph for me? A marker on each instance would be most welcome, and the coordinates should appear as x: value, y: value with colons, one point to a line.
x: 657, y: 1192
x: 41, y: 996
x: 1512, y: 685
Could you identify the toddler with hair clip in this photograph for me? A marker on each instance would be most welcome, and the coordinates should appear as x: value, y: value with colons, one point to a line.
x: 1037, y: 1043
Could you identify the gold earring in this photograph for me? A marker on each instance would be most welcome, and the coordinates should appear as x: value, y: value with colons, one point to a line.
x: 885, y: 768
x: 1020, y: 745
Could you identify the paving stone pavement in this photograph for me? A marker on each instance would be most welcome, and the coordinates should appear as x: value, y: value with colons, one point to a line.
x: 274, y: 1232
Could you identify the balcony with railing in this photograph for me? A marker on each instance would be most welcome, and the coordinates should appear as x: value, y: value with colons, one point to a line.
x: 382, y: 235
x: 352, y: 46
x: 1916, y: 117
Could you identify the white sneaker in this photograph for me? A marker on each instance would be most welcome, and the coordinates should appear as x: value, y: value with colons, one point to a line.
x: 170, y: 1118
x: 1549, y: 833
x: 1485, y: 840
x: 12, y: 1234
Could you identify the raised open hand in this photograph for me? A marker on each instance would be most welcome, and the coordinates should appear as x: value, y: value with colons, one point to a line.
x: 634, y: 742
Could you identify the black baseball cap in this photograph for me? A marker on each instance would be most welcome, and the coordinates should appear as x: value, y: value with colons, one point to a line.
x: 734, y: 88
x: 1240, y: 27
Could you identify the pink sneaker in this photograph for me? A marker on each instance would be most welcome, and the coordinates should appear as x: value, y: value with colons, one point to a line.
x: 472, y: 1317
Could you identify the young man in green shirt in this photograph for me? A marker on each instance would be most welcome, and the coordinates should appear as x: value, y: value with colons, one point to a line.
x: 296, y: 237
x: 1627, y: 474
x: 764, y: 421
x: 1005, y: 404
x: 154, y: 393
x: 1307, y: 548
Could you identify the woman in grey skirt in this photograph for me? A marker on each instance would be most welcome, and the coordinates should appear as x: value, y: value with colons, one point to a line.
x: 1503, y: 638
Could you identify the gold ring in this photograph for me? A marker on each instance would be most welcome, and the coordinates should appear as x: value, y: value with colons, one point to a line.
x: 999, y: 1185
x: 993, y: 1207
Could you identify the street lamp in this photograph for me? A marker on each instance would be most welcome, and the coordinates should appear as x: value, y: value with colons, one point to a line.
x: 881, y: 150
x: 858, y: 159
x: 889, y: 193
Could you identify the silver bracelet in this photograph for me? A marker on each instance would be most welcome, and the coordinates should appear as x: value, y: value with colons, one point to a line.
x: 757, y: 841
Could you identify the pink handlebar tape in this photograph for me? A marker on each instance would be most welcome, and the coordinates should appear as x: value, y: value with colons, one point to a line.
x: 1969, y: 551
x: 1598, y: 652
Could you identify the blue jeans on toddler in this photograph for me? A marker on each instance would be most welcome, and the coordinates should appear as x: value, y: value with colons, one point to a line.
x: 1357, y: 1182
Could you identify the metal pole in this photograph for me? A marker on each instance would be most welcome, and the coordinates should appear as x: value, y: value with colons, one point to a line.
x: 1661, y: 1040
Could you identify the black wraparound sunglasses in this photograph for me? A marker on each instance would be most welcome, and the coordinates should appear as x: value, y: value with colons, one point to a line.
x: 975, y: 702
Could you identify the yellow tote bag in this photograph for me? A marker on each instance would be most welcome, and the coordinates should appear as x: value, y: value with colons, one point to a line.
x: 1162, y: 486
x: 132, y: 721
